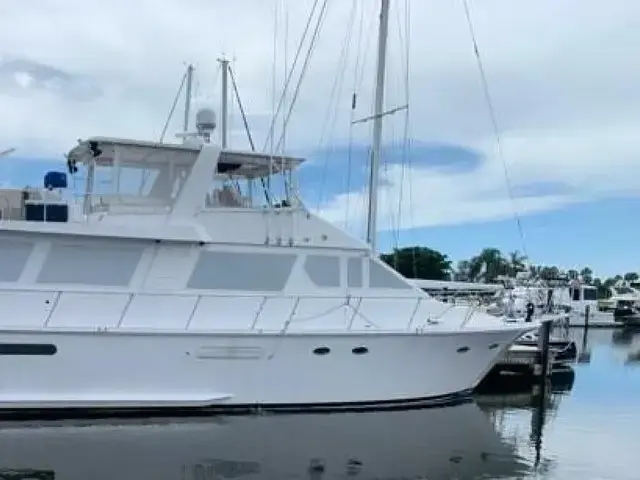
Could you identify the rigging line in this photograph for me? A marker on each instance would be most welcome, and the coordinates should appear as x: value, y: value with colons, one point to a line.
x: 146, y: 173
x: 353, y: 112
x: 286, y: 181
x: 496, y: 131
x: 305, y: 65
x: 405, y: 133
x: 173, y: 108
x: 273, y: 91
x: 336, y: 90
x: 369, y: 42
x: 290, y: 75
x: 247, y: 129
x: 365, y: 35
x: 407, y: 125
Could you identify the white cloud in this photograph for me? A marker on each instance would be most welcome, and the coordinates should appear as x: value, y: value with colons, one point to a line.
x: 562, y: 76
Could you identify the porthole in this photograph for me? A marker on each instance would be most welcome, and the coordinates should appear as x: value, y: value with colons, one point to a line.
x: 360, y: 350
x: 493, y: 346
x: 462, y: 350
x: 321, y: 350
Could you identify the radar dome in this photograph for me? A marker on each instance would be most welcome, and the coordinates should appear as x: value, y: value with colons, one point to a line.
x: 205, y: 119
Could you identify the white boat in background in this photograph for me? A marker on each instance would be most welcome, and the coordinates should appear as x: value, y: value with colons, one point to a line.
x: 623, y: 303
x: 435, y: 443
x: 165, y: 292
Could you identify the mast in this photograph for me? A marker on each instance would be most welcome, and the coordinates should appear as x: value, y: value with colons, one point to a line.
x: 224, y: 64
x: 374, y: 177
x: 187, y: 100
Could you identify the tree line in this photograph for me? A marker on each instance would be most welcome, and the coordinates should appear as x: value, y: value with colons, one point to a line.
x: 486, y: 267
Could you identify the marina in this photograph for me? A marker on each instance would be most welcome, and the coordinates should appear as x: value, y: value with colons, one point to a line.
x: 181, y: 308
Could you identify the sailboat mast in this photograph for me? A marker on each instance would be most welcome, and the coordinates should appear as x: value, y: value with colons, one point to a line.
x: 374, y: 176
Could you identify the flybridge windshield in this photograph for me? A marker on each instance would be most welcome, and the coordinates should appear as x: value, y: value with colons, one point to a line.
x: 121, y: 174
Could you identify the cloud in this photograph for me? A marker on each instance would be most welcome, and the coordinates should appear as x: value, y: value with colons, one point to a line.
x: 19, y: 76
x: 566, y: 94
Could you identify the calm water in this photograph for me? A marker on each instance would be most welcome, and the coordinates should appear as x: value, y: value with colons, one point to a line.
x: 589, y: 431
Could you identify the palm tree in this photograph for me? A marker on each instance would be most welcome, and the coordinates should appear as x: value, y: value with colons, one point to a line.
x: 463, y: 271
x: 488, y: 265
x: 517, y: 263
x: 587, y: 275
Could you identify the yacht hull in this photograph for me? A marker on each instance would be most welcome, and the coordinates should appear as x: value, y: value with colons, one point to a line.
x: 57, y: 370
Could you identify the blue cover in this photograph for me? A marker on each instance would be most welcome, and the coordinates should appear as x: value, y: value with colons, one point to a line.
x: 55, y: 180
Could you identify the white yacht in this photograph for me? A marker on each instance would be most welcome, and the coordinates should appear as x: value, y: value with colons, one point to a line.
x: 187, y: 285
x: 179, y: 296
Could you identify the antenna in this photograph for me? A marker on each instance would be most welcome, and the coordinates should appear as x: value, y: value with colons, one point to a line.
x: 224, y: 65
x: 187, y: 98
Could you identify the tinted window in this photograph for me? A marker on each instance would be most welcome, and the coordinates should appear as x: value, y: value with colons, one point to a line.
x: 590, y: 294
x: 27, y: 349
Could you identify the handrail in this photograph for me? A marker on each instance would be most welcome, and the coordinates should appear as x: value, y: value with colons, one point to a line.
x: 354, y: 303
x: 200, y: 293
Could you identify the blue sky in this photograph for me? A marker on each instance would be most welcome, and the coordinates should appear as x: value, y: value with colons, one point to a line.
x: 566, y: 104
x: 571, y: 231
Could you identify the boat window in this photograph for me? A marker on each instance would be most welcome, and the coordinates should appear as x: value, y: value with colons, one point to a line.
x: 382, y: 277
x: 13, y: 258
x: 624, y: 291
x: 323, y: 270
x: 321, y: 350
x: 249, y: 271
x: 576, y: 294
x: 590, y: 294
x: 27, y: 349
x: 147, y: 184
x: 354, y: 273
x: 229, y: 192
x: 103, y: 264
x: 237, y: 191
x: 360, y: 350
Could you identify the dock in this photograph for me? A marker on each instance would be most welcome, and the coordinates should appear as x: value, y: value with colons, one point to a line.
x: 594, y: 320
x: 530, y: 364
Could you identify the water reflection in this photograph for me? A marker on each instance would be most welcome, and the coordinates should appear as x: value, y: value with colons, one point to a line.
x: 540, y: 401
x: 452, y: 442
x: 626, y: 337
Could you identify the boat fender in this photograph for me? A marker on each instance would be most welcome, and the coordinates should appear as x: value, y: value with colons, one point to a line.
x: 530, y: 310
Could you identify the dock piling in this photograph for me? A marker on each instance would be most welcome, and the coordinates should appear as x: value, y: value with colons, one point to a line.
x: 587, y: 311
x: 542, y: 369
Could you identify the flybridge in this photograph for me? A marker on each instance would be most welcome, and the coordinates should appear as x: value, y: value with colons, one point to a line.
x: 176, y: 177
x: 113, y: 152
